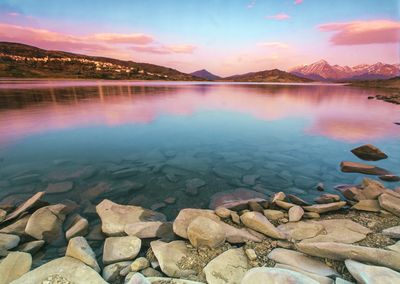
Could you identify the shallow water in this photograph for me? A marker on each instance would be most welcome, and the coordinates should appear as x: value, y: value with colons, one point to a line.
x: 145, y: 141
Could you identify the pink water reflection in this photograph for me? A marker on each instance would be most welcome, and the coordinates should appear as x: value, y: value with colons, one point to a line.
x: 338, y: 112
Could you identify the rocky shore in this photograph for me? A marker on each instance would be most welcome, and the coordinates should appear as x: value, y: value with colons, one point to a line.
x: 349, y: 237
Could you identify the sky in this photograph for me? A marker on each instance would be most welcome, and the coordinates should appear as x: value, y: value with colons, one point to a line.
x: 224, y: 37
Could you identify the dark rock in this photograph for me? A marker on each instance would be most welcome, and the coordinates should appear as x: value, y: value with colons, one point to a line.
x: 297, y: 200
x: 369, y: 152
x: 390, y: 178
x: 353, y: 167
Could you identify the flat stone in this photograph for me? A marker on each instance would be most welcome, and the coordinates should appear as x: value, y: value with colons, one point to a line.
x: 115, y: 217
x: 390, y: 178
x: 14, y: 266
x: 223, y: 212
x: 339, y: 251
x: 353, y: 167
x: 227, y: 268
x: 8, y: 241
x: 322, y: 208
x: 166, y: 280
x: 283, y: 204
x: 320, y: 279
x: 259, y: 223
x: 139, y: 264
x: 120, y: 249
x: 302, y: 261
x: 204, y: 232
x: 18, y: 227
x: 311, y: 215
x: 267, y: 275
x: 368, y: 205
x: 342, y: 281
x: 301, y: 230
x: 295, y: 213
x: 69, y: 268
x: 340, y: 230
x: 46, y: 223
x: 369, y: 152
x: 31, y: 247
x: 60, y: 187
x: 170, y: 200
x: 371, y: 274
x: 79, y: 227
x: 169, y: 255
x: 327, y: 198
x: 236, y: 199
x: 143, y: 230
x: 79, y: 248
x: 297, y: 200
x: 273, y: 214
x: 393, y: 232
x: 111, y: 273
x: 390, y: 203
x: 31, y: 202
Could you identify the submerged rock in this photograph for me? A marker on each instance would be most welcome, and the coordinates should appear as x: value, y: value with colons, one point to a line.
x: 228, y: 267
x: 60, y: 187
x: 369, y: 152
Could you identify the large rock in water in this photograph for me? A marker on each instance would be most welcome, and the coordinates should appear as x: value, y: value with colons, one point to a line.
x: 340, y: 251
x: 258, y: 222
x: 302, y: 261
x: 366, y: 274
x: 169, y: 255
x: 14, y: 266
x: 204, y: 232
x: 390, y: 203
x: 79, y: 248
x: 353, y: 167
x: 369, y: 152
x: 115, y: 217
x: 267, y: 275
x: 236, y: 199
x: 69, y: 268
x: 227, y: 268
x: 46, y: 223
x: 121, y: 248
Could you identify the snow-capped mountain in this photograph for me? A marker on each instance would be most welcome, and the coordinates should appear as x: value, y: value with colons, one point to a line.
x: 322, y: 70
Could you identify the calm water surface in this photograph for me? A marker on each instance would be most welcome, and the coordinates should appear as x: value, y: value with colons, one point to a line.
x: 141, y: 142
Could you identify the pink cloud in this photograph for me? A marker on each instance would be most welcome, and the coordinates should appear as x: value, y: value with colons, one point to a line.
x: 297, y: 2
x: 13, y: 14
x: 181, y: 48
x: 279, y: 17
x: 363, y: 32
x: 165, y: 49
x: 122, y: 38
x: 274, y: 44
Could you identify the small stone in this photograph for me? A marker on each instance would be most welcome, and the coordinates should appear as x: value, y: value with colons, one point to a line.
x: 204, y: 232
x: 151, y: 272
x: 140, y: 264
x: 295, y: 213
x: 223, y: 212
x: 273, y: 214
x: 251, y: 254
x: 121, y: 248
x: 170, y: 200
x: 320, y: 186
x: 14, y: 266
x: 369, y: 152
x: 278, y: 196
x: 79, y: 248
x: 8, y: 242
x: 311, y: 215
x: 235, y: 217
x: 138, y: 278
x: 327, y: 198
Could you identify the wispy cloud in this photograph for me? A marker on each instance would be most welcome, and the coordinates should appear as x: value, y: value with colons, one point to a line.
x: 165, y: 49
x: 297, y: 2
x: 122, y: 38
x: 13, y: 14
x: 363, y: 32
x: 279, y: 17
x: 274, y: 44
x: 251, y: 4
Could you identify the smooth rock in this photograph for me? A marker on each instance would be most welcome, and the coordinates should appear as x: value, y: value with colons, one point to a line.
x: 227, y: 268
x: 297, y: 200
x: 322, y: 208
x: 69, y: 268
x: 259, y: 223
x: 369, y: 152
x: 31, y: 247
x: 393, y: 232
x: 8, y: 241
x: 320, y: 279
x: 255, y: 206
x: 204, y: 232
x: 115, y: 217
x: 143, y: 230
x: 302, y: 261
x: 390, y: 203
x: 14, y: 266
x: 327, y: 198
x: 139, y: 264
x: 339, y: 251
x: 79, y: 248
x: 169, y: 255
x: 267, y: 275
x: 223, y: 212
x: 301, y: 230
x: 353, y: 167
x: 46, y: 223
x: 368, y: 205
x: 273, y: 214
x: 278, y: 196
x: 31, y: 202
x: 283, y: 204
x: 138, y: 278
x: 295, y: 213
x: 120, y: 249
x: 251, y: 254
x: 366, y: 274
x: 16, y: 228
x: 390, y: 178
x: 79, y: 227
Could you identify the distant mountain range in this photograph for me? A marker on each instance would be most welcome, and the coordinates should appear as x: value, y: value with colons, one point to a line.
x: 323, y: 71
x: 25, y: 61
x: 274, y: 75
x: 204, y: 74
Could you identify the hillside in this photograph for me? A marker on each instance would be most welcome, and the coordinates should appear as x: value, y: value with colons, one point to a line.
x: 274, y: 75
x: 204, y: 74
x: 24, y: 61
x: 393, y: 83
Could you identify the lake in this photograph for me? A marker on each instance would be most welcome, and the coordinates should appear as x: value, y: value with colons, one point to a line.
x: 171, y: 145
